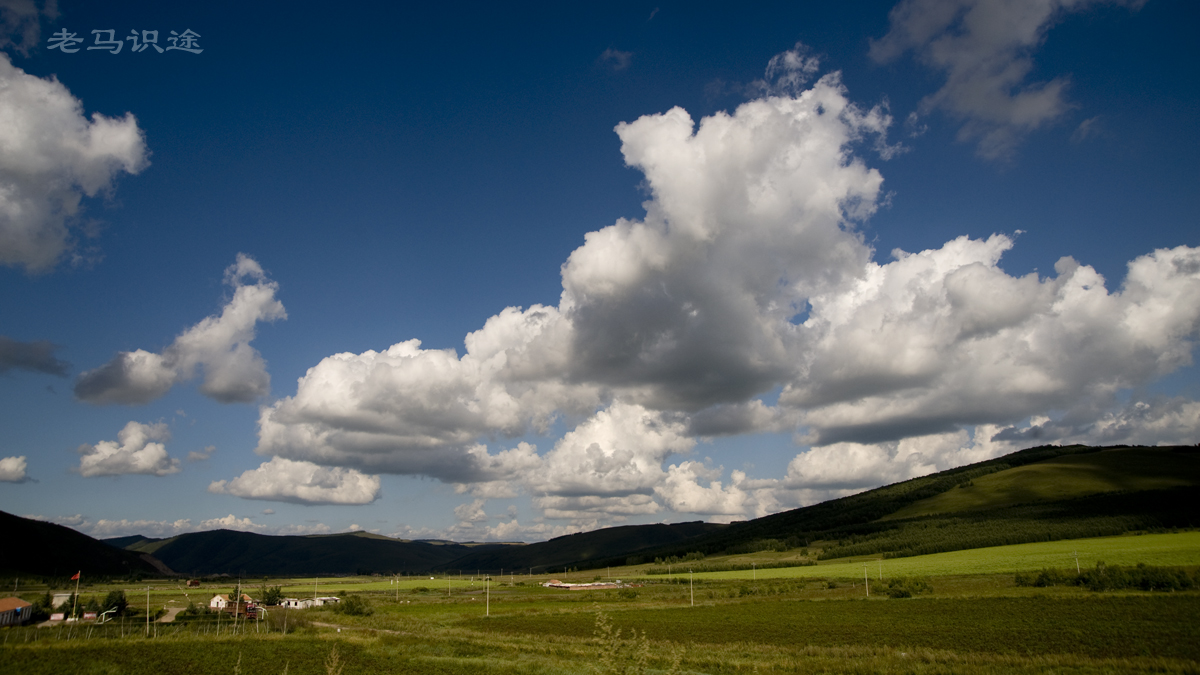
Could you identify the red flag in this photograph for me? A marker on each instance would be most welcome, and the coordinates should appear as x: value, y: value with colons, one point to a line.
x: 76, y: 576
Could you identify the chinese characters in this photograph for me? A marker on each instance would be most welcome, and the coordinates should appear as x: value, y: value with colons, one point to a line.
x: 106, y: 40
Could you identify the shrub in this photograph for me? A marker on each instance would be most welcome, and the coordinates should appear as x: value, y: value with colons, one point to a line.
x: 619, y: 656
x: 354, y: 605
x: 904, y: 587
x: 116, y: 600
x: 289, y: 620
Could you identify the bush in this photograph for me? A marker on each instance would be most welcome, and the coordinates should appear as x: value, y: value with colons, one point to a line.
x: 1105, y: 578
x: 354, y: 605
x: 289, y: 620
x: 617, y: 655
x: 116, y: 600
x: 904, y: 587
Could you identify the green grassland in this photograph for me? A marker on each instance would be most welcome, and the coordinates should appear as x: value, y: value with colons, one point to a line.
x: 972, y: 619
x: 1181, y: 549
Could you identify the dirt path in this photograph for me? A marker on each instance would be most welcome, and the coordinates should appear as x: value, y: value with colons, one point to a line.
x: 171, y: 612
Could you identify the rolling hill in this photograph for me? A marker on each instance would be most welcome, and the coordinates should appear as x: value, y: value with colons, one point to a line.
x: 606, y: 543
x: 37, y: 548
x: 1038, y: 494
x: 246, y: 553
x: 229, y: 552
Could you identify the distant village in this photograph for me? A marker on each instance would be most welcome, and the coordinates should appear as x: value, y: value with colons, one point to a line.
x: 59, y: 608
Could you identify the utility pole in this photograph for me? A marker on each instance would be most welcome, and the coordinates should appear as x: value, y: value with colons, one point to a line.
x: 447, y: 583
x: 866, y: 581
x: 881, y: 569
x: 487, y: 594
x: 691, y: 590
x: 148, y: 611
x: 753, y: 571
x: 1076, y: 554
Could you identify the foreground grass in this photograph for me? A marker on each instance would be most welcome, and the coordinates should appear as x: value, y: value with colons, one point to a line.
x: 1090, y: 626
x: 467, y: 651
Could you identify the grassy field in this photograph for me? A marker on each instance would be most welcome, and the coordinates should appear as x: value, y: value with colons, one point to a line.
x: 1165, y: 549
x: 972, y: 620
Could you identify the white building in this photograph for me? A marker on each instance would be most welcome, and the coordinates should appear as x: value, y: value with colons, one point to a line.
x: 223, y: 601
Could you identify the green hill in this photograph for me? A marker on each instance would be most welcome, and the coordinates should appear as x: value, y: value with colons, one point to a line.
x: 1040, y: 494
x: 229, y: 552
x: 1066, y: 477
x: 37, y: 548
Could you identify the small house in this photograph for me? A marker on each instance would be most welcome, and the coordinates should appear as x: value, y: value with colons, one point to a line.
x: 221, y: 602
x: 193, y: 583
x: 14, y: 611
x: 293, y: 603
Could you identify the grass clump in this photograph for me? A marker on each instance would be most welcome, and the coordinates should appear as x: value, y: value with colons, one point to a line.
x: 906, y: 587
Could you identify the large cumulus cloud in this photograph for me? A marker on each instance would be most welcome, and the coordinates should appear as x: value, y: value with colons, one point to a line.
x: 220, y: 345
x: 747, y: 278
x: 944, y: 338
x: 751, y: 212
x: 51, y: 157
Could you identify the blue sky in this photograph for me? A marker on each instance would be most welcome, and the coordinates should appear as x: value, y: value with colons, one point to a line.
x: 689, y: 262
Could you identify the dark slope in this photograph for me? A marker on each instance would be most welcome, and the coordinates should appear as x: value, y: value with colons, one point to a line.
x: 228, y: 552
x: 612, y: 542
x: 33, y: 547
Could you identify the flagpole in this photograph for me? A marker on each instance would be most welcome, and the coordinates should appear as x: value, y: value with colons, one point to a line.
x: 75, y: 603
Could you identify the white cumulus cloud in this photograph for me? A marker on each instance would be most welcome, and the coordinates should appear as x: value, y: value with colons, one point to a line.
x: 51, y: 157
x: 12, y: 469
x: 139, y: 449
x: 945, y: 338
x: 285, y: 480
x: 220, y: 345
